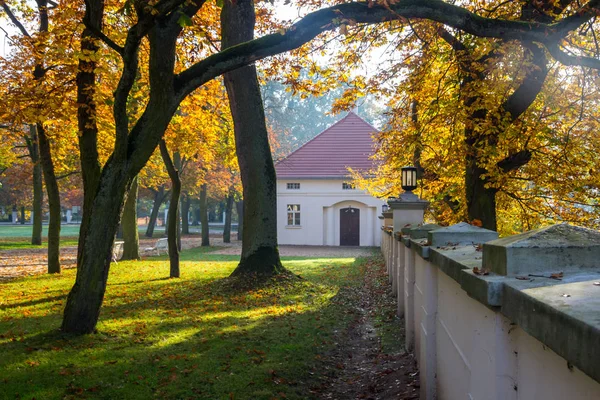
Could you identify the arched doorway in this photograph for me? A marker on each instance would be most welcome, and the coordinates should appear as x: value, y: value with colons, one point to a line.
x: 350, y: 226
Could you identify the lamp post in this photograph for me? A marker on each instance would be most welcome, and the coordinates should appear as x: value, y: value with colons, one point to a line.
x: 409, y: 178
x: 408, y: 208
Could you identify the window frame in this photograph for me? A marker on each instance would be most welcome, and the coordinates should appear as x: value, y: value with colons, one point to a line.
x: 293, y: 211
x: 348, y: 186
x: 293, y: 185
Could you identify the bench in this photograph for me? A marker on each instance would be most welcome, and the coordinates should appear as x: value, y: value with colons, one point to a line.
x: 117, y: 251
x: 161, y: 244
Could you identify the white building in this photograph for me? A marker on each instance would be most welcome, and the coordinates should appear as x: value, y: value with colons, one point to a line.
x: 317, y: 203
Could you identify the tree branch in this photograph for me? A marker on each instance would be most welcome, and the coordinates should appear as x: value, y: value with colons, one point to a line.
x: 367, y: 13
x: 67, y: 174
x: 514, y: 161
x: 567, y: 59
x: 14, y: 19
x: 100, y: 35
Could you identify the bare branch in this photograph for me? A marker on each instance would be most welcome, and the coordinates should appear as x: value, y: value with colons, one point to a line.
x: 67, y: 174
x: 14, y: 19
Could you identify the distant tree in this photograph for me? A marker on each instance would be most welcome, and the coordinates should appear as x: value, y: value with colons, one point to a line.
x: 294, y: 118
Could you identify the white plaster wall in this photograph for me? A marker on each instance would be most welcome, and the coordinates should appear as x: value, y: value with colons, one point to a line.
x: 418, y: 304
x: 320, y: 203
x: 409, y: 297
x: 542, y: 374
x: 476, y: 352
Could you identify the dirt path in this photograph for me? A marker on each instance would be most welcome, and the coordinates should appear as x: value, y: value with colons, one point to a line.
x: 369, y: 361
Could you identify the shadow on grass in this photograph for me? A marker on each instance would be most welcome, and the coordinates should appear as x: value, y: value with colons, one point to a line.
x: 34, y: 302
x: 187, y: 339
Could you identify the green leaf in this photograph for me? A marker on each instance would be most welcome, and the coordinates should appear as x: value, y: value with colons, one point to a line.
x: 184, y: 21
x: 219, y: 3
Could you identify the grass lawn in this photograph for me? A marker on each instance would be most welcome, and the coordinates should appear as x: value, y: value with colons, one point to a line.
x: 176, y: 339
x: 24, y: 231
x: 19, y: 236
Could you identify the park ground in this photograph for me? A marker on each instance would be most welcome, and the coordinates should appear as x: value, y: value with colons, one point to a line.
x: 329, y: 334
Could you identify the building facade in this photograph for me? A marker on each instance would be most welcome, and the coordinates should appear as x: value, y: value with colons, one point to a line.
x: 317, y: 203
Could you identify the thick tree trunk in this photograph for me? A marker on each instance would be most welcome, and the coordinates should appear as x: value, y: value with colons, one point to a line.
x: 85, y: 298
x: 131, y: 236
x: 227, y: 227
x: 185, y: 212
x: 204, y: 215
x: 86, y: 119
x: 239, y: 208
x: 22, y: 215
x: 173, y: 214
x: 260, y: 254
x: 481, y: 201
x: 38, y: 187
x: 53, y: 202
x: 159, y: 197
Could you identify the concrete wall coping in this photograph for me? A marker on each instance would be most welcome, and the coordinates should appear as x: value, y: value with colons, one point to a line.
x: 460, y: 234
x: 421, y: 246
x: 420, y: 231
x: 563, y: 314
x: 563, y: 247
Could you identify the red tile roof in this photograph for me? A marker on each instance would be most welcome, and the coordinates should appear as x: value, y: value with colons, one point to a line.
x: 347, y: 143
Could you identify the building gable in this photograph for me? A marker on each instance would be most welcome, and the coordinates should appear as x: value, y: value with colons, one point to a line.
x: 346, y: 144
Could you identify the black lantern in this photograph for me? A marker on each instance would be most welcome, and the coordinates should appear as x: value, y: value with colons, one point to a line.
x: 409, y: 178
x: 384, y: 208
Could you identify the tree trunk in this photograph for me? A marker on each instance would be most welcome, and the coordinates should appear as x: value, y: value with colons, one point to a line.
x: 86, y: 119
x: 197, y: 216
x: 131, y: 237
x: 185, y: 212
x: 227, y: 227
x: 38, y: 187
x: 260, y: 254
x: 204, y: 215
x: 173, y: 215
x: 53, y: 201
x: 178, y: 167
x: 22, y: 215
x: 159, y: 197
x: 119, y: 234
x: 85, y: 298
x: 239, y: 208
x: 481, y: 201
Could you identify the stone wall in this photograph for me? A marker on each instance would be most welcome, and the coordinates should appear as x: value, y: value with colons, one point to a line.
x: 488, y: 318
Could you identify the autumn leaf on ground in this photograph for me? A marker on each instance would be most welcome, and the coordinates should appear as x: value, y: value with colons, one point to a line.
x: 481, y: 271
x: 477, y: 222
x: 558, y: 275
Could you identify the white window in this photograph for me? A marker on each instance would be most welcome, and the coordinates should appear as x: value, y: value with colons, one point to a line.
x: 293, y: 214
x: 293, y: 186
x: 348, y: 186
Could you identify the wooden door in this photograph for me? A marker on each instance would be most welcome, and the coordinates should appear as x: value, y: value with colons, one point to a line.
x: 349, y: 227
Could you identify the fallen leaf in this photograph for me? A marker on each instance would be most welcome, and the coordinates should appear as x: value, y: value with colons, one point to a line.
x: 477, y: 222
x: 557, y: 275
x: 482, y: 271
x: 522, y: 278
x: 566, y: 295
